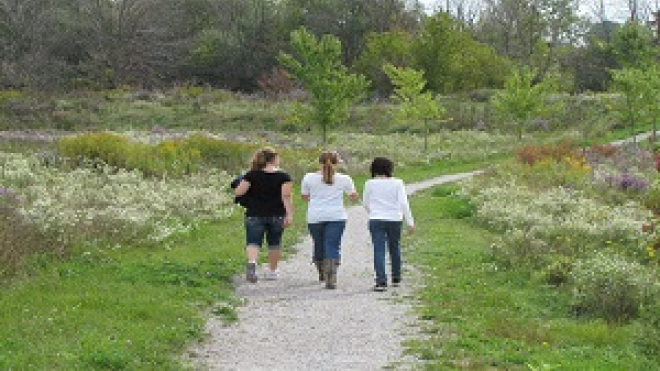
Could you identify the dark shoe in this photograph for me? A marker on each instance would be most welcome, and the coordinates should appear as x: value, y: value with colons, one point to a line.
x: 380, y: 287
x: 330, y: 273
x: 319, y: 268
x: 396, y: 281
x: 251, y: 272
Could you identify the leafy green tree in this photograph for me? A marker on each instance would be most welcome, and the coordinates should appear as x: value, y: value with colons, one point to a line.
x: 634, y: 46
x: 380, y: 49
x: 640, y: 90
x: 521, y: 100
x: 453, y: 60
x: 414, y: 104
x: 317, y: 66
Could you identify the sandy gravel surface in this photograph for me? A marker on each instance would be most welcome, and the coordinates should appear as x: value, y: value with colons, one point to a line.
x: 295, y: 323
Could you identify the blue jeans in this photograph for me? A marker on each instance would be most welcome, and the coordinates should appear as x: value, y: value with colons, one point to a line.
x: 386, y: 235
x: 258, y: 227
x: 327, y: 239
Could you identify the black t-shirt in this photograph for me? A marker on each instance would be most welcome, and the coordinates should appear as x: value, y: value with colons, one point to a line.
x: 265, y: 192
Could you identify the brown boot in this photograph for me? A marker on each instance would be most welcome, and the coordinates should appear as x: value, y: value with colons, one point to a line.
x: 319, y: 268
x: 330, y: 272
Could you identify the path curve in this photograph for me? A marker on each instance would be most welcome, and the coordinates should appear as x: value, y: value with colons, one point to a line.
x: 294, y: 323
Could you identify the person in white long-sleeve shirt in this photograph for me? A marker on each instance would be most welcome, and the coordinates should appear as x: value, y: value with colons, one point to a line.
x: 385, y: 199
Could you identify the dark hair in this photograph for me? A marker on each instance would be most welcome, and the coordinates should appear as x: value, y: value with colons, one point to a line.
x: 381, y: 166
x: 328, y: 161
x: 263, y: 157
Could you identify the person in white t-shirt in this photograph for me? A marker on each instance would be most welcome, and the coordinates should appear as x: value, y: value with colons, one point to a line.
x: 324, y: 191
x: 386, y: 202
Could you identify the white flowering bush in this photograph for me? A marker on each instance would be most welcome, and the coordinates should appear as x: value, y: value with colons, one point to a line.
x: 611, y: 287
x: 88, y: 203
x: 562, y: 218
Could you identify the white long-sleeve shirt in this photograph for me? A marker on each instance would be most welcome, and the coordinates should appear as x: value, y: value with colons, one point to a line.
x: 386, y: 199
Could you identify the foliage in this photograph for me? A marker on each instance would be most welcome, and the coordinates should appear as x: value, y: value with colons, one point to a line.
x: 380, y: 49
x: 640, y: 88
x: 633, y: 45
x: 476, y: 315
x: 413, y: 103
x: 533, y: 153
x: 522, y: 99
x: 317, y: 66
x: 610, y: 287
x: 18, y: 236
x: 106, y: 202
x: 452, y: 60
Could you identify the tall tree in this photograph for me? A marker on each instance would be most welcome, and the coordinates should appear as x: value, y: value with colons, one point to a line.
x: 380, y: 49
x: 452, y: 60
x: 350, y: 21
x: 317, y: 66
x: 26, y: 28
x: 132, y: 41
x: 241, y: 43
x: 522, y: 30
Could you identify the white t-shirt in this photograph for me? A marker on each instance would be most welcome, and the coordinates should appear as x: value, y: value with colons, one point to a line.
x: 386, y: 199
x: 326, y: 201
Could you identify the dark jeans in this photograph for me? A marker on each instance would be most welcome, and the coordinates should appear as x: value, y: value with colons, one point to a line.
x: 258, y: 227
x: 327, y: 239
x: 386, y: 235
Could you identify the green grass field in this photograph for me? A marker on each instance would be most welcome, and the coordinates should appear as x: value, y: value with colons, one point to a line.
x: 117, y: 307
x: 476, y: 317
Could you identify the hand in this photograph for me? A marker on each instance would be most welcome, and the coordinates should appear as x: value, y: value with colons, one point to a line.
x: 288, y: 220
x: 411, y: 228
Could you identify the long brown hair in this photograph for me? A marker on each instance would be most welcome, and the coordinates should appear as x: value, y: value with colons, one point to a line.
x: 262, y: 157
x: 328, y: 161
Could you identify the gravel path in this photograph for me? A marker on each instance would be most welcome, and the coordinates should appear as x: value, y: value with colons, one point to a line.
x: 294, y: 323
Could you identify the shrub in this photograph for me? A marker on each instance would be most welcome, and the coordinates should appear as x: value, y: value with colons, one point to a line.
x: 610, y: 287
x: 18, y: 237
x: 652, y: 198
x: 648, y: 335
x: 558, y: 269
x: 110, y: 148
x: 531, y: 154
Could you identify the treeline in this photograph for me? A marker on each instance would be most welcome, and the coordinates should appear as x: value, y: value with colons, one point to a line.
x: 235, y: 44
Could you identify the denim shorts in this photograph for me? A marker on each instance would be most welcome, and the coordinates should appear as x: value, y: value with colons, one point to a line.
x: 272, y: 227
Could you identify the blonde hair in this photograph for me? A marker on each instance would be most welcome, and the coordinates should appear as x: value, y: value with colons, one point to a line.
x: 262, y: 157
x: 328, y: 161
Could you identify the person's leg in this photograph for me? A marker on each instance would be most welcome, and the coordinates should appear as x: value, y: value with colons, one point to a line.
x: 254, y: 234
x: 274, y: 229
x: 317, y: 231
x: 378, y: 239
x: 394, y: 249
x: 332, y: 243
x: 333, y: 232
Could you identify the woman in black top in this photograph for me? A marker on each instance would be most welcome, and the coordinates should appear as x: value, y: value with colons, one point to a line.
x: 269, y: 210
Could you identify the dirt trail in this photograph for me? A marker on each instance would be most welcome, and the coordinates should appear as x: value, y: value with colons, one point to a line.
x: 294, y: 323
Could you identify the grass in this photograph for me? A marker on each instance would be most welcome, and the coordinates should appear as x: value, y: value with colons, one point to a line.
x: 111, y: 307
x: 477, y: 317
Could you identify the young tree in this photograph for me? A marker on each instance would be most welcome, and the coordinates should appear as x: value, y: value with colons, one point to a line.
x: 640, y: 89
x: 317, y: 66
x: 522, y: 100
x: 414, y: 104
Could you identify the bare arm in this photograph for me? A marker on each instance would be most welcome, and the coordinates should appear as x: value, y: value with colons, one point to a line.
x: 242, y: 188
x: 288, y: 204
